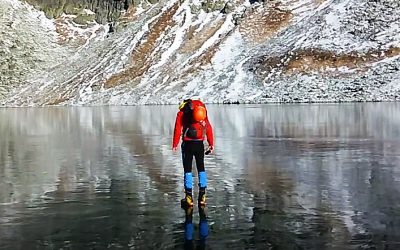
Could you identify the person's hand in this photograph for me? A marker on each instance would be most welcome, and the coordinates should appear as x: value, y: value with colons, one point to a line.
x: 209, y: 150
x: 174, y: 149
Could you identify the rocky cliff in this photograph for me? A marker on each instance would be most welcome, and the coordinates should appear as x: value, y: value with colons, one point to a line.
x: 217, y: 50
x: 104, y: 10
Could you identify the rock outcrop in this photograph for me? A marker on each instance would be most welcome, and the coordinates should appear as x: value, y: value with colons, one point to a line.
x: 105, y: 10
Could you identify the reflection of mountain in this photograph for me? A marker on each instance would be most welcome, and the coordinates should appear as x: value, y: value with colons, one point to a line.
x: 74, y: 145
x: 104, y: 173
x: 280, y: 174
x: 307, y: 166
x: 307, y: 162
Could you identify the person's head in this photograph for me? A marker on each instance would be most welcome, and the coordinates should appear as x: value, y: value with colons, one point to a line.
x: 187, y: 103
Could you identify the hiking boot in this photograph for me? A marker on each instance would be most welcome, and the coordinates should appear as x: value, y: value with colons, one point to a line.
x: 187, y: 201
x: 202, y: 198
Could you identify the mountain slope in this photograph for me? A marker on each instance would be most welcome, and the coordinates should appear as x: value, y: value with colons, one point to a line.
x: 229, y: 51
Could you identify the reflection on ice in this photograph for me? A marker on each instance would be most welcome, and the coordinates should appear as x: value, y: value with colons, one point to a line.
x: 287, y: 176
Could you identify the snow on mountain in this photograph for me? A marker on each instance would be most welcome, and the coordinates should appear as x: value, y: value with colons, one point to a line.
x: 219, y: 51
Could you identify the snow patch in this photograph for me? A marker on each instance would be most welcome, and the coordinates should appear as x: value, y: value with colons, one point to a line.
x: 139, y: 9
x: 332, y: 20
x: 179, y: 36
x: 88, y: 12
x: 228, y: 52
x: 236, y: 88
x: 227, y: 26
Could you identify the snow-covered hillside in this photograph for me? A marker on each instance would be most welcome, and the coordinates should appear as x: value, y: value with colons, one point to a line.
x: 219, y: 51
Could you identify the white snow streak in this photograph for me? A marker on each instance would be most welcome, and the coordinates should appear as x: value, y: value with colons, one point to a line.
x: 179, y: 36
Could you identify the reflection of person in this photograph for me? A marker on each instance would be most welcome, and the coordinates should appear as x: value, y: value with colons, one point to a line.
x: 193, y: 124
x: 203, y: 229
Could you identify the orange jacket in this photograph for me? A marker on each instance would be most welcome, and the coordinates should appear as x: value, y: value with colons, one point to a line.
x: 182, y: 124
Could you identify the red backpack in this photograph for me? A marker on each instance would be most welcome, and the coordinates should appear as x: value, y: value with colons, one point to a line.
x: 194, y: 114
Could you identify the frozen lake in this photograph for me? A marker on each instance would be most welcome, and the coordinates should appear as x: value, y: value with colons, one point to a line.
x: 320, y: 176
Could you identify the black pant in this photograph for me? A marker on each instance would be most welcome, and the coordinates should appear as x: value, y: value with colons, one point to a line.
x: 190, y: 149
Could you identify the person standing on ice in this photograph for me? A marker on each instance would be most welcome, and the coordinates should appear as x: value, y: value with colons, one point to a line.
x: 193, y: 125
